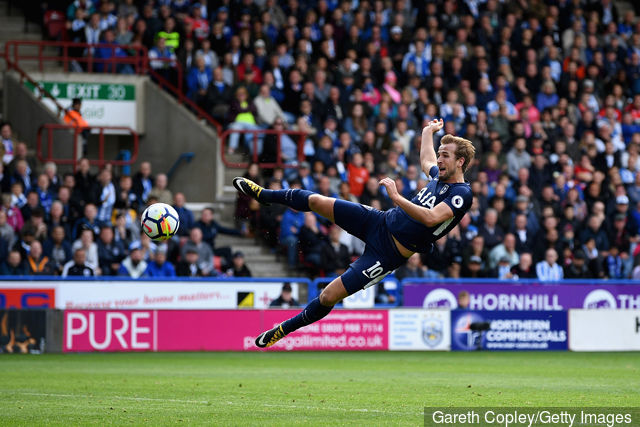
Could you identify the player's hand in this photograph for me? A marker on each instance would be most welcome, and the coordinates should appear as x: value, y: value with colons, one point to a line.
x: 390, y: 185
x: 433, y: 126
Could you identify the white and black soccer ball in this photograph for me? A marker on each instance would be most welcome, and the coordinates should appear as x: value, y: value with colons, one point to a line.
x: 160, y: 222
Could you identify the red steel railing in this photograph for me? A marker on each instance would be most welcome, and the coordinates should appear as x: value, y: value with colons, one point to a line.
x: 138, y: 59
x: 49, y: 128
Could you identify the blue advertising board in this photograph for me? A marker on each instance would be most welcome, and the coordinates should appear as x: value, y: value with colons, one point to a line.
x: 508, y: 330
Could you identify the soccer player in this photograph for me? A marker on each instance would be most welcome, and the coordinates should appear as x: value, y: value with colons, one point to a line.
x: 391, y: 236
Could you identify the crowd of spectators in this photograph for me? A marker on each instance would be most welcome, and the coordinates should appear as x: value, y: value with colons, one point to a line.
x: 548, y: 91
x: 80, y: 224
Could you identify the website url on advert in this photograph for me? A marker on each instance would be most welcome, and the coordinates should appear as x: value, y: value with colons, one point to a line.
x: 506, y: 417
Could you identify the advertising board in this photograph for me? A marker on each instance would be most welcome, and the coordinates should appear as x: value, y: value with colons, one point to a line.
x: 418, y: 329
x: 605, y: 330
x: 27, y: 297
x: 217, y: 330
x: 508, y: 330
x: 513, y: 296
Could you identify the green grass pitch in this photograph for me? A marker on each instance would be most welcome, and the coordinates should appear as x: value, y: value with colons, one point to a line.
x: 273, y: 388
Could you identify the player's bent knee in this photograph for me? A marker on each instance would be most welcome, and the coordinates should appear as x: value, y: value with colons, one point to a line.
x: 322, y: 205
x: 327, y: 299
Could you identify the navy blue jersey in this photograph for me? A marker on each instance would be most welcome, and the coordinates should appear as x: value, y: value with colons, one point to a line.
x: 416, y: 236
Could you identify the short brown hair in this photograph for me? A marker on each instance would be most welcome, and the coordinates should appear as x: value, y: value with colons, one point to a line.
x: 464, y: 149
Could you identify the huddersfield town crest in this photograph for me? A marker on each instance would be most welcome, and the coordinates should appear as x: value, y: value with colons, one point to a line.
x: 432, y: 332
x: 444, y: 189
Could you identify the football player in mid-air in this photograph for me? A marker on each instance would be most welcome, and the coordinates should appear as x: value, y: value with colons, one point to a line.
x: 391, y: 236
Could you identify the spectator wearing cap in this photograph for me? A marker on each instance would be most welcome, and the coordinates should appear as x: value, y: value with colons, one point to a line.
x: 502, y: 270
x: 285, y: 300
x: 160, y: 267
x: 78, y: 266
x: 239, y: 268
x: 622, y: 207
x: 133, y: 265
x: 205, y: 253
x: 474, y: 268
x: 305, y: 177
x: 549, y: 270
x: 397, y: 46
x: 188, y: 265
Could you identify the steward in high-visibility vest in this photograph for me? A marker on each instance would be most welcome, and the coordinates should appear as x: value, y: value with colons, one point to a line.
x: 169, y: 33
x: 74, y: 117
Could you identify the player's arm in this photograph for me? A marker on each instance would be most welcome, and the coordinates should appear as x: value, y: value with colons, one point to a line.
x: 428, y: 157
x: 429, y: 217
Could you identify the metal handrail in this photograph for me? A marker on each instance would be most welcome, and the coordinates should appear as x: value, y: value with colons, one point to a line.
x: 140, y: 61
x: 301, y: 136
x: 100, y: 162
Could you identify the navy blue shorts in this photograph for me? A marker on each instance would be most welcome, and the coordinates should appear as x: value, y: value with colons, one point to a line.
x: 380, y: 255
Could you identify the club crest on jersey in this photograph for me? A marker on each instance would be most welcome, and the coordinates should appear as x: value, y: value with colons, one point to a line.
x: 444, y: 189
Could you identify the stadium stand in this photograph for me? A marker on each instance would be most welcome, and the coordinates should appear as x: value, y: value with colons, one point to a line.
x: 548, y: 92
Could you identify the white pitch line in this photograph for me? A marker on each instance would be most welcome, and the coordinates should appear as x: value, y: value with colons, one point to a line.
x: 206, y: 402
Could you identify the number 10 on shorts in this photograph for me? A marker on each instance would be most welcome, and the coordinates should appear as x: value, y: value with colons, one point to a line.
x: 375, y: 273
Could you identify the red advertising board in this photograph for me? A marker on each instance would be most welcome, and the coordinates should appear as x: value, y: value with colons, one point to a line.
x: 27, y: 298
x: 218, y: 330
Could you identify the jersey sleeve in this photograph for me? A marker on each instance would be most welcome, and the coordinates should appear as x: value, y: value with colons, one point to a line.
x: 459, y: 200
x: 434, y: 173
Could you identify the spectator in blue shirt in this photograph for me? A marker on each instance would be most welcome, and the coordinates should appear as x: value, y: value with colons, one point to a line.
x: 548, y: 96
x: 186, y: 216
x: 160, y: 267
x: 290, y: 226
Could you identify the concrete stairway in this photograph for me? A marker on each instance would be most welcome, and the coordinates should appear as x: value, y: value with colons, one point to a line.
x: 12, y: 27
x: 261, y: 260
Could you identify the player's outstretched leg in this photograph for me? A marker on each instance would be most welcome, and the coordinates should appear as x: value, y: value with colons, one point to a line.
x: 295, y: 198
x: 314, y: 311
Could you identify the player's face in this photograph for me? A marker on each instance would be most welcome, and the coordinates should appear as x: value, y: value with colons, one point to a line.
x: 447, y: 162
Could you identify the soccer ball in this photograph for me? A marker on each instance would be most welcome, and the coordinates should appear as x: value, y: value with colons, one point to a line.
x: 160, y: 222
